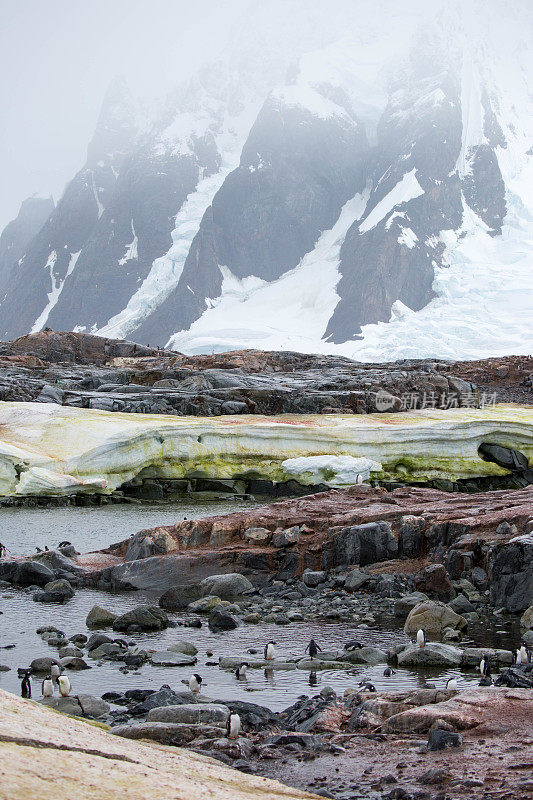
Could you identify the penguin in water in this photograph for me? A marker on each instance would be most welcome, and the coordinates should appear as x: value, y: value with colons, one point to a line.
x: 367, y: 686
x: 352, y: 645
x: 421, y: 638
x: 25, y: 687
x: 64, y: 686
x: 65, y: 544
x: 233, y: 725
x: 47, y: 687
x: 240, y: 672
x: 388, y: 671
x: 194, y: 683
x: 451, y: 684
x: 484, y: 666
x: 313, y: 649
x: 270, y: 651
x: 313, y: 680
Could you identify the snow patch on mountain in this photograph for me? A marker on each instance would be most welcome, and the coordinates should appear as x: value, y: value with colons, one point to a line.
x: 57, y: 288
x: 289, y: 313
x: 406, y: 189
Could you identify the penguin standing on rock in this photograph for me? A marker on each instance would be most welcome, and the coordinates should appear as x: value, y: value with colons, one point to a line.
x: 194, y: 683
x: 313, y: 649
x: 25, y: 687
x: 47, y: 687
x: 240, y: 672
x: 421, y: 638
x: 270, y: 651
x: 451, y: 684
x: 484, y: 666
x: 64, y: 686
x: 525, y: 654
x: 233, y: 725
x: 55, y: 672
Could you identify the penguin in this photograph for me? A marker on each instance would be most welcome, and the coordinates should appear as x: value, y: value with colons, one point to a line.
x: 64, y: 686
x: 367, y: 686
x: 25, y: 687
x: 359, y: 478
x: 47, y: 687
x: 484, y: 666
x: 121, y: 643
x: 65, y: 544
x: 55, y: 672
x: 388, y: 671
x: 194, y: 683
x: 352, y: 645
x: 421, y: 638
x: 38, y: 550
x: 451, y: 684
x: 517, y: 657
x: 524, y: 654
x: 240, y: 672
x: 252, y: 651
x: 270, y: 651
x: 313, y: 680
x: 233, y: 725
x: 313, y: 648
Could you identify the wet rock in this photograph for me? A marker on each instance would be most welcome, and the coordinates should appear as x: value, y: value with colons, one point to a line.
x: 73, y: 662
x: 221, y: 620
x: 515, y: 678
x: 43, y: 665
x: 71, y: 651
x: 175, y: 734
x: 96, y: 640
x: 99, y: 617
x: 511, y: 571
x: 145, y: 544
x: 287, y: 537
x: 433, y: 654
x: 440, y: 740
x: 179, y: 598
x: 356, y: 579
x: 365, y: 544
x: 405, y: 604
x: 205, y: 605
x: 225, y: 586
x: 433, y: 617
x: 434, y: 582
x: 365, y: 655
x: 55, y: 592
x: 25, y: 573
x: 183, y: 647
x: 106, y: 650
x: 461, y: 605
x: 166, y: 658
x: 191, y: 714
x: 144, y: 618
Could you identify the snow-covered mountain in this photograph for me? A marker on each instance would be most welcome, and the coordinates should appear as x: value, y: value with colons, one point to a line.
x: 371, y: 196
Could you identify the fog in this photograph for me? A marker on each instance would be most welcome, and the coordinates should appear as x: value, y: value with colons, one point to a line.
x: 58, y: 57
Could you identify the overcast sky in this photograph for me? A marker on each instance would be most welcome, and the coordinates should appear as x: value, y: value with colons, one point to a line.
x: 57, y: 58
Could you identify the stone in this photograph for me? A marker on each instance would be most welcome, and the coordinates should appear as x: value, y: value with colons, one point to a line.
x: 43, y: 665
x: 364, y: 655
x: 221, y: 620
x: 65, y: 652
x: 405, y: 604
x: 411, y: 536
x: 191, y: 714
x: 473, y: 655
x: 179, y: 598
x: 183, y: 647
x: 167, y: 658
x: 511, y: 571
x: 58, y: 591
x: 461, y: 605
x: 356, y: 579
x: 257, y: 535
x: 225, y: 586
x: 365, y: 544
x: 99, y: 617
x: 433, y: 581
x: 205, y: 605
x: 73, y: 662
x: 433, y: 654
x: 145, y: 618
x: 287, y: 537
x: 166, y: 733
x: 526, y: 620
x: 313, y: 579
x: 480, y: 579
x: 145, y: 544
x: 97, y: 639
x: 440, y: 740
x: 433, y: 617
x: 25, y: 573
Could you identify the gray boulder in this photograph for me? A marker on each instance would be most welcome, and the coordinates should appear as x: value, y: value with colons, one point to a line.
x: 166, y: 733
x: 526, y: 620
x: 183, y: 647
x: 146, y: 618
x: 168, y: 658
x: 405, y: 604
x: 433, y: 617
x: 178, y: 599
x: 43, y: 665
x: 364, y: 655
x: 55, y: 592
x: 225, y: 586
x: 99, y: 617
x: 221, y: 620
x: 356, y: 579
x: 287, y: 537
x: 511, y: 570
x: 25, y: 573
x: 461, y: 605
x: 433, y: 654
x: 313, y: 578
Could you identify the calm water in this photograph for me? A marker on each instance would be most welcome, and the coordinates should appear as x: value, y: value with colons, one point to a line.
x: 92, y: 528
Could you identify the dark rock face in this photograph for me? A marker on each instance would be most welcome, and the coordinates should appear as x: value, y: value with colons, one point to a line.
x: 511, y: 572
x: 296, y: 172
x: 365, y: 544
x: 17, y: 235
